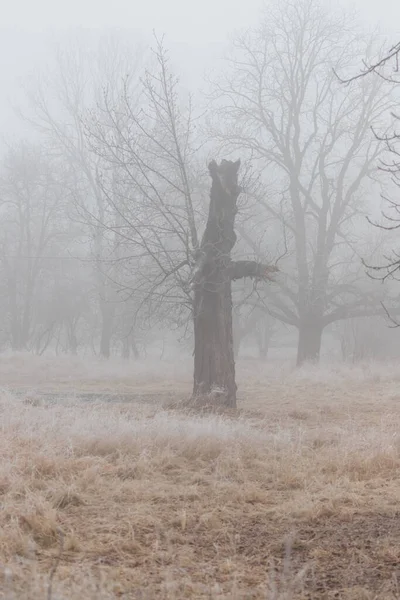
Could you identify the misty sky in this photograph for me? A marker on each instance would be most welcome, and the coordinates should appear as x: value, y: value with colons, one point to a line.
x: 195, y: 31
x: 184, y: 20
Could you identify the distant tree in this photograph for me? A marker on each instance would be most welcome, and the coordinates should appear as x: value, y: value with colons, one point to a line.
x: 147, y: 141
x: 57, y: 104
x: 281, y: 102
x: 251, y: 321
x: 69, y: 304
x: 33, y: 234
x: 386, y: 68
x: 364, y: 339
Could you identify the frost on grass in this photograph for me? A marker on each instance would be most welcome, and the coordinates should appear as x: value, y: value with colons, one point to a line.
x: 202, y: 503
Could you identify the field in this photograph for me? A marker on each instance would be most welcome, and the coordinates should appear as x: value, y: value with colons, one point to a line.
x: 295, y: 496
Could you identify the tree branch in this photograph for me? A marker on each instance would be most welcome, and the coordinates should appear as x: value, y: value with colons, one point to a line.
x: 250, y: 268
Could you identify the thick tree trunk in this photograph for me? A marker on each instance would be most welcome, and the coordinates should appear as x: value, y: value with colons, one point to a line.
x: 309, y: 341
x: 214, y: 362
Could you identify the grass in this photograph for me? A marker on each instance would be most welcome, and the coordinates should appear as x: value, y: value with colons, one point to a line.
x: 296, y: 496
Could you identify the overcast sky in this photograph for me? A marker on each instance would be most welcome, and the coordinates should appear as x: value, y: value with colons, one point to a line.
x: 184, y: 20
x: 195, y: 30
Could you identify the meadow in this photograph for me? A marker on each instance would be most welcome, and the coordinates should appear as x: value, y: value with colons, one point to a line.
x: 109, y: 490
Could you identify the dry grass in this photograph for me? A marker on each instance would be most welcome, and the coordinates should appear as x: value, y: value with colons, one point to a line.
x: 295, y: 497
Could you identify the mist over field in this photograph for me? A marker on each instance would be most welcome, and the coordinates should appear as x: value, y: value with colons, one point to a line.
x: 199, y: 300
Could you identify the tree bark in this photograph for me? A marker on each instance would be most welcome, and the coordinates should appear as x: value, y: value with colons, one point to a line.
x: 214, y: 362
x: 309, y: 341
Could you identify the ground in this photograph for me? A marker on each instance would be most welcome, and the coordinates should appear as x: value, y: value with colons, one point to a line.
x: 296, y: 496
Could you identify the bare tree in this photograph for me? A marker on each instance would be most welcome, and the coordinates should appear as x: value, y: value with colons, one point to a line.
x: 153, y: 155
x: 147, y: 144
x: 33, y: 234
x: 214, y: 364
x: 251, y: 321
x: 70, y: 304
x: 282, y: 103
x: 57, y: 106
x: 387, y: 266
x: 386, y: 68
x: 366, y: 339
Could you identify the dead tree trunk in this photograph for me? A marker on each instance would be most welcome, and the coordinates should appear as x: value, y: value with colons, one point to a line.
x: 214, y: 363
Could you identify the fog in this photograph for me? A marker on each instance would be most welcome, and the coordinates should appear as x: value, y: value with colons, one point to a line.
x: 109, y: 118
x: 199, y: 300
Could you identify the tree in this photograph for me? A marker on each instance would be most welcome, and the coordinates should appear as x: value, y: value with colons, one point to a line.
x: 147, y: 143
x: 214, y: 364
x: 34, y: 232
x: 69, y: 304
x: 386, y: 68
x: 251, y: 321
x: 58, y: 104
x: 153, y: 155
x: 281, y: 102
x: 364, y: 339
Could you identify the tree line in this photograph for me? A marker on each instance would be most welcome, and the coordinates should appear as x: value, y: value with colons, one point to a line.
x: 106, y: 203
